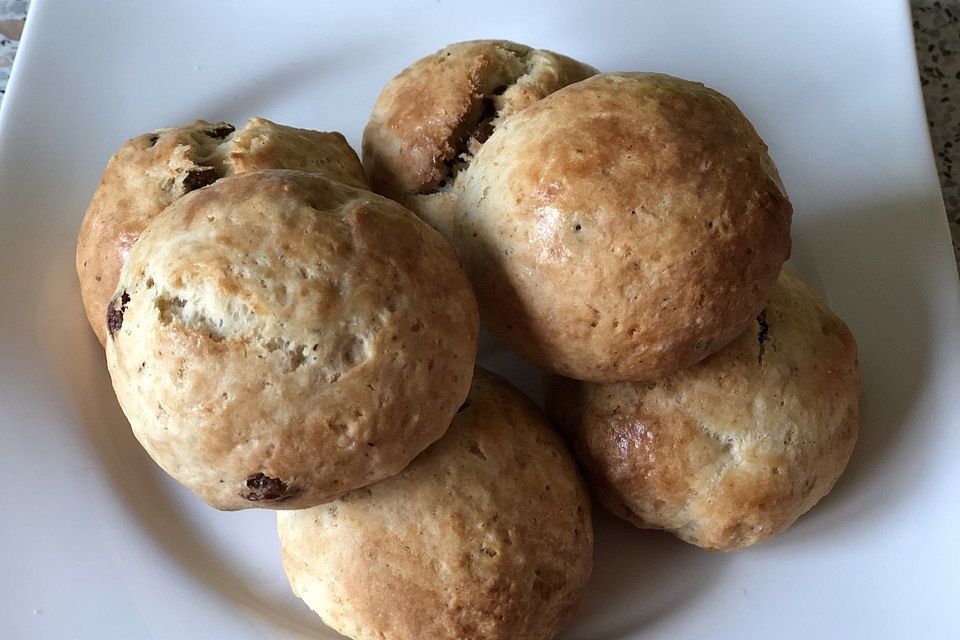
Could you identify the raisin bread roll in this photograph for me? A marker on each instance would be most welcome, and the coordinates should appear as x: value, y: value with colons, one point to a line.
x: 622, y: 228
x: 278, y: 339
x: 154, y: 169
x: 486, y: 534
x: 432, y: 118
x: 730, y: 451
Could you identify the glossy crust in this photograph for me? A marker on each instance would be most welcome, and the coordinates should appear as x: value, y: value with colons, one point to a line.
x: 154, y: 169
x: 431, y: 118
x: 622, y: 228
x: 487, y: 534
x: 733, y: 450
x: 278, y: 339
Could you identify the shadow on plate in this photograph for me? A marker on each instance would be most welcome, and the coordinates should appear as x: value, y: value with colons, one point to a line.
x: 134, y: 476
x: 884, y: 295
x: 640, y: 580
x: 261, y: 92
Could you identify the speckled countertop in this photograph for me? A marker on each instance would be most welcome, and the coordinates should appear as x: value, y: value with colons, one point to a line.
x: 12, y: 13
x: 936, y: 29
x: 936, y: 26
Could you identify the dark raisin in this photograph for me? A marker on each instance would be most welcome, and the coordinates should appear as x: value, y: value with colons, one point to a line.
x: 762, y: 335
x: 474, y: 448
x: 484, y: 131
x: 115, y: 313
x: 197, y: 178
x: 263, y: 487
x: 221, y: 131
x: 485, y: 127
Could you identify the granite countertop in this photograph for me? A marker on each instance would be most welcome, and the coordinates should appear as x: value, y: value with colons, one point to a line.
x: 12, y: 14
x: 936, y: 27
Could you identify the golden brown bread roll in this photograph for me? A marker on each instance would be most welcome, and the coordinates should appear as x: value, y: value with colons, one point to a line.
x: 486, y: 534
x: 154, y: 169
x: 733, y: 450
x: 430, y: 119
x: 622, y: 228
x: 278, y: 339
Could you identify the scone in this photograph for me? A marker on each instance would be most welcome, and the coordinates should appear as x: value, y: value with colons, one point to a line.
x: 487, y: 534
x: 431, y: 119
x: 278, y: 339
x: 733, y: 450
x: 622, y: 228
x: 154, y: 169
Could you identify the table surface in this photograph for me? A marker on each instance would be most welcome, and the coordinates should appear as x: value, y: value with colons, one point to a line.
x: 936, y: 26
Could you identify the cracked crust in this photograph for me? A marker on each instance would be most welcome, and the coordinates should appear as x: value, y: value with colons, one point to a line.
x: 278, y: 339
x: 487, y: 534
x: 733, y: 450
x: 154, y: 169
x: 431, y: 119
x: 623, y: 228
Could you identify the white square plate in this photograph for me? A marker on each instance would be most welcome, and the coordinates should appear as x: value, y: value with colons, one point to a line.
x: 97, y: 543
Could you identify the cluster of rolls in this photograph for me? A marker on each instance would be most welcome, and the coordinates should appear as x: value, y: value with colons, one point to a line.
x: 281, y: 336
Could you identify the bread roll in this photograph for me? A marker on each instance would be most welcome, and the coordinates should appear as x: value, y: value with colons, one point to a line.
x: 734, y: 449
x: 486, y: 534
x: 279, y: 339
x: 622, y: 228
x: 154, y: 169
x: 430, y: 119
